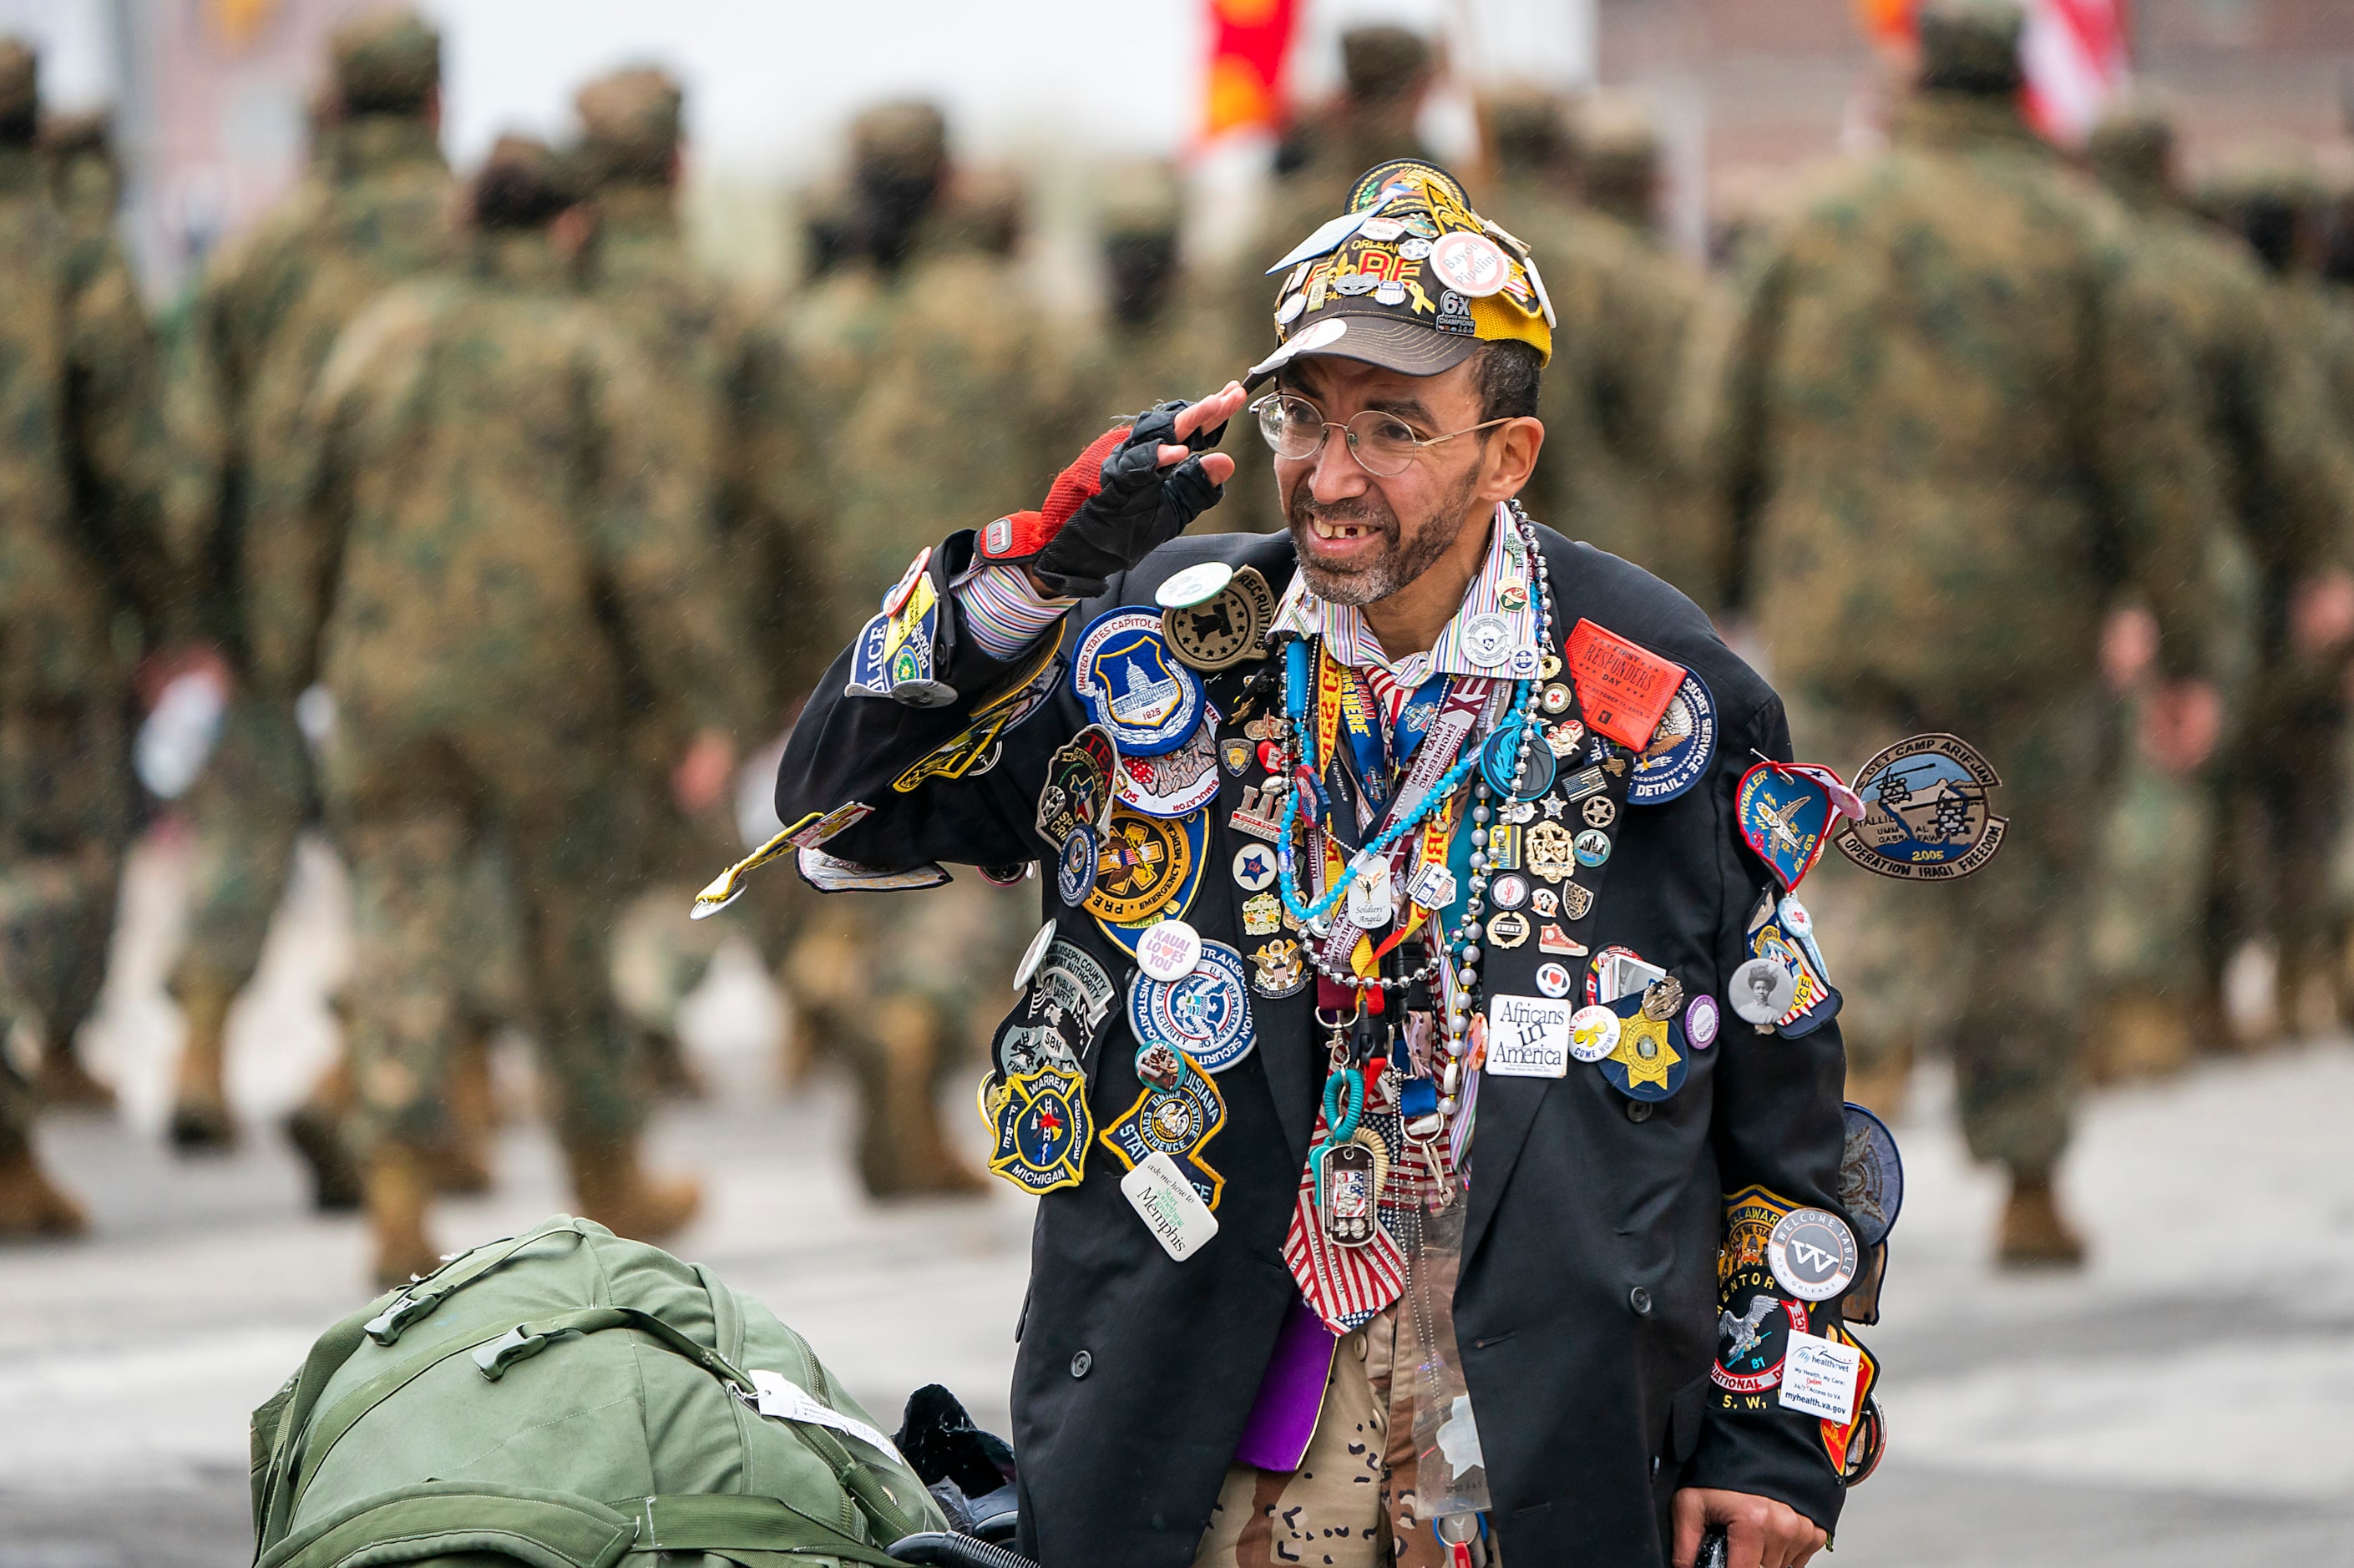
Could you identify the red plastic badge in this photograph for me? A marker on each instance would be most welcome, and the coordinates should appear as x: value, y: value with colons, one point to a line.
x: 1017, y: 536
x: 1622, y: 690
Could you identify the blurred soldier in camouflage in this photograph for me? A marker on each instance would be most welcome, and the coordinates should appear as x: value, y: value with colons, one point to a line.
x: 931, y: 375
x: 86, y: 181
x: 489, y: 457
x: 1619, y: 469
x: 1157, y: 342
x: 2184, y: 883
x: 722, y: 393
x: 2273, y: 197
x: 1386, y: 73
x: 80, y: 578
x: 1955, y: 436
x: 265, y: 317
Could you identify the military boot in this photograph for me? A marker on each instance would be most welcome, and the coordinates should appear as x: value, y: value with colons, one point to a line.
x: 399, y: 1191
x: 797, y: 1044
x: 315, y: 1128
x: 2138, y: 1035
x: 668, y: 1072
x: 464, y: 1165
x: 611, y: 1187
x: 2308, y: 995
x: 65, y: 1082
x: 30, y: 1205
x: 903, y: 1151
x: 2035, y: 1234
x: 201, y: 1123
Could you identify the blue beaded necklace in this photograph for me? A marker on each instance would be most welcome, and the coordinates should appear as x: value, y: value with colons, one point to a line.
x: 1298, y: 684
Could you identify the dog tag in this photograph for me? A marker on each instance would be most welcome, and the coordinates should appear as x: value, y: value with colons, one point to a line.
x: 1348, y: 1193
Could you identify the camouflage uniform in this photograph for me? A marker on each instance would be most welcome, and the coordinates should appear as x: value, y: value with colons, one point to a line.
x: 2179, y: 894
x: 264, y: 319
x: 1387, y: 72
x: 78, y: 496
x: 1158, y: 338
x: 1617, y: 469
x: 1953, y: 435
x: 726, y: 421
x: 932, y: 377
x: 489, y: 467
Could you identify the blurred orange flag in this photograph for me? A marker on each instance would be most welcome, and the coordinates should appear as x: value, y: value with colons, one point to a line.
x: 1250, y: 45
x: 1886, y: 21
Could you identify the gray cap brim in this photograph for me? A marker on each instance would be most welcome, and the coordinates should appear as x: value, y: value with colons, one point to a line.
x: 1373, y: 337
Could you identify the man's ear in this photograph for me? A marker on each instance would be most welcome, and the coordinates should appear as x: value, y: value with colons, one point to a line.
x: 1510, y: 459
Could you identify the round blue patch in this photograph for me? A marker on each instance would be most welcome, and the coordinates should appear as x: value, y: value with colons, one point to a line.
x: 1075, y: 866
x: 1502, y: 751
x: 1134, y: 686
x: 1871, y: 1176
x: 1681, y: 749
x: 1206, y: 1014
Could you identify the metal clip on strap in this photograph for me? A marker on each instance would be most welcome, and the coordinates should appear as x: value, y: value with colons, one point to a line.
x: 386, y: 1326
x: 519, y: 1343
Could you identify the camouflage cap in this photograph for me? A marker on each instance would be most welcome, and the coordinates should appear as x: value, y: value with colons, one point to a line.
x: 1971, y: 46
x: 78, y: 133
x: 2134, y: 145
x: 1527, y: 127
x: 1409, y: 277
x: 20, y: 82
x: 908, y: 137
x: 387, y: 62
x: 1140, y: 198
x: 1383, y: 63
x: 2268, y: 171
x: 987, y: 210
x: 523, y: 183
x: 1615, y: 142
x: 629, y: 124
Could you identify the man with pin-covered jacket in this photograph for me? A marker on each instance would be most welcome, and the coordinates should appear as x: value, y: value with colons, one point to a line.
x: 1574, y: 1254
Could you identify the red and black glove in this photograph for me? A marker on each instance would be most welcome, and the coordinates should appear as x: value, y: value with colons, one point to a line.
x: 1109, y: 509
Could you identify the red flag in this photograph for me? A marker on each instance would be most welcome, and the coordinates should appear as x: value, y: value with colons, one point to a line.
x: 1250, y: 47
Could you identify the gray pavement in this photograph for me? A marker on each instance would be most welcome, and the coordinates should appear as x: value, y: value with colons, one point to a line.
x: 2181, y: 1401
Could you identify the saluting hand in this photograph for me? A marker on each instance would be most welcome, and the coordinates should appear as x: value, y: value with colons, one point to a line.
x: 1135, y: 488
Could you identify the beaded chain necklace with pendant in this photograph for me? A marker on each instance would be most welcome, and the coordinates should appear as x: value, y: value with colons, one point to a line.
x: 1467, y: 939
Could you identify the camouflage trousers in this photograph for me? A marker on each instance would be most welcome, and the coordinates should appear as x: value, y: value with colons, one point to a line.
x: 902, y: 987
x: 1351, y: 1501
x: 2280, y: 811
x: 659, y: 956
x: 2160, y: 845
x: 1995, y: 966
x: 422, y: 815
x: 66, y: 798
x: 245, y: 810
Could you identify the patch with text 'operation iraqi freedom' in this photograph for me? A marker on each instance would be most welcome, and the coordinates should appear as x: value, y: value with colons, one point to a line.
x: 1926, y: 816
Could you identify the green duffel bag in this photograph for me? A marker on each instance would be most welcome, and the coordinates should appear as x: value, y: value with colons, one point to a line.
x: 568, y: 1399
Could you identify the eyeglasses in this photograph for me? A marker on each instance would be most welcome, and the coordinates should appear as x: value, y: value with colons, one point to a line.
x: 1383, y: 444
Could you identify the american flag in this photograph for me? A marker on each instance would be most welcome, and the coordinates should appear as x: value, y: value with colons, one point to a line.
x: 2075, y: 56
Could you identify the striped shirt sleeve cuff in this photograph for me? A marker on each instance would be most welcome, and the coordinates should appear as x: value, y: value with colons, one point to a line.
x: 1002, y: 612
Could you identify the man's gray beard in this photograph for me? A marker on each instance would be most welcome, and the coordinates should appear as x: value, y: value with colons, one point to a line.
x: 1397, y: 565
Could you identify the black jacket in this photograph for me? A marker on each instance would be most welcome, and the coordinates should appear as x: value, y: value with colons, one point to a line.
x: 1587, y: 1304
